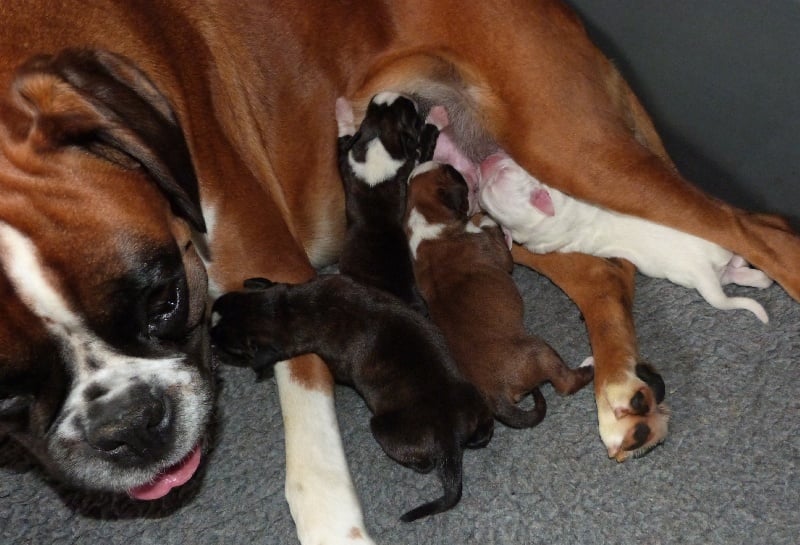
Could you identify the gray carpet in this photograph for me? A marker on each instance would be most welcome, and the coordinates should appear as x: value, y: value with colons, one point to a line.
x: 727, y: 474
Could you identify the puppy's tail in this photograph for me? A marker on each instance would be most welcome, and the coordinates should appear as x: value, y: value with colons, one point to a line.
x: 712, y: 292
x: 513, y: 416
x: 451, y: 475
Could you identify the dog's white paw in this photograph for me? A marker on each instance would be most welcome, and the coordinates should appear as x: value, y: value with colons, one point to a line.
x: 631, y: 415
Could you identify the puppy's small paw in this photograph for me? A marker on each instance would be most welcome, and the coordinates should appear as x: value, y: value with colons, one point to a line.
x: 344, y: 117
x: 588, y: 362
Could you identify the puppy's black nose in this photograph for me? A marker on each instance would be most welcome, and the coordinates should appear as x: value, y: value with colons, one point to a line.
x: 134, y: 426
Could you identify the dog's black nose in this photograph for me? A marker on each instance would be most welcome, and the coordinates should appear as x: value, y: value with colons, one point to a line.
x: 134, y: 426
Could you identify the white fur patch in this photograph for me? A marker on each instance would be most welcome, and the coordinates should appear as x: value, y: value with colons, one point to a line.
x: 386, y: 98
x: 420, y: 230
x: 422, y: 168
x: 472, y: 228
x: 28, y: 277
x: 319, y: 489
x: 379, y: 165
x: 210, y: 216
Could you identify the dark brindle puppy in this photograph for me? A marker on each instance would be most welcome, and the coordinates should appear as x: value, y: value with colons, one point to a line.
x: 375, y: 163
x: 464, y: 274
x: 424, y: 413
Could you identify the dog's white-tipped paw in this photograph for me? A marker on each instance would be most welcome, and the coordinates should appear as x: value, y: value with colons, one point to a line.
x: 631, y: 414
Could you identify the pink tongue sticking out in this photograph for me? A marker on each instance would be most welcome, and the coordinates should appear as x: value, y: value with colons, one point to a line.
x: 169, y: 478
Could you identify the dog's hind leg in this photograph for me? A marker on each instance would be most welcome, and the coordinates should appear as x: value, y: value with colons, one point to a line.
x: 565, y: 381
x: 738, y: 272
x: 631, y: 415
x: 565, y: 114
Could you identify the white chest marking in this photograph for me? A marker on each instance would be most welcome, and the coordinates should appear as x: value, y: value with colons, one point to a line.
x: 378, y: 167
x: 420, y: 230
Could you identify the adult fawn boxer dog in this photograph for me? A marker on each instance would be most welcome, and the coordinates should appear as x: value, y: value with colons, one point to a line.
x: 145, y: 147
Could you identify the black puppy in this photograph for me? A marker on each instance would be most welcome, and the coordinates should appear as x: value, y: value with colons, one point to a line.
x: 424, y: 412
x: 375, y: 163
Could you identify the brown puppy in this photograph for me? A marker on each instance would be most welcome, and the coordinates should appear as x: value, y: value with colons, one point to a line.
x: 424, y: 412
x: 464, y: 274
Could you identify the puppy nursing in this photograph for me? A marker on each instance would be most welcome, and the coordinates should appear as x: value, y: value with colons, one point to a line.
x: 363, y: 322
x: 424, y: 413
x: 374, y: 163
x: 463, y: 271
x: 545, y: 220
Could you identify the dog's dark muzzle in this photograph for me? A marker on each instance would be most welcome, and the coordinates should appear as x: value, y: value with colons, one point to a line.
x: 133, y: 428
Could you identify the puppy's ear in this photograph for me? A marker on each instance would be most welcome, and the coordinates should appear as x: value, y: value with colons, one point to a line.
x: 427, y: 142
x: 101, y: 102
x: 541, y: 200
x: 455, y: 194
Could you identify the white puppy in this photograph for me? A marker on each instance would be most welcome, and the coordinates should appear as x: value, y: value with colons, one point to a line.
x: 545, y: 220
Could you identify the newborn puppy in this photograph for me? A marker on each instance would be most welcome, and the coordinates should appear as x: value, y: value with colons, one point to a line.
x: 424, y: 413
x: 374, y: 164
x: 545, y: 220
x: 464, y: 274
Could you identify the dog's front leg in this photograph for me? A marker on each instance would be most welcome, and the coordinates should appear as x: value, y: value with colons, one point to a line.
x: 629, y: 395
x: 319, y: 489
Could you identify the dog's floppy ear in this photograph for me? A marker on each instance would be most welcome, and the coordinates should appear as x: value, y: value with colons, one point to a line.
x: 103, y: 103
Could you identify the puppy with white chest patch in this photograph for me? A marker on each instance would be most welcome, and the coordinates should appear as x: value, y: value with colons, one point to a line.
x: 374, y: 163
x: 463, y: 271
x: 424, y: 412
x: 544, y: 220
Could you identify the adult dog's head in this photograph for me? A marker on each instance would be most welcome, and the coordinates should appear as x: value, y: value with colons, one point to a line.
x: 104, y: 363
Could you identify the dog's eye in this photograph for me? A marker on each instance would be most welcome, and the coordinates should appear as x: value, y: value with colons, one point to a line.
x: 167, y: 308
